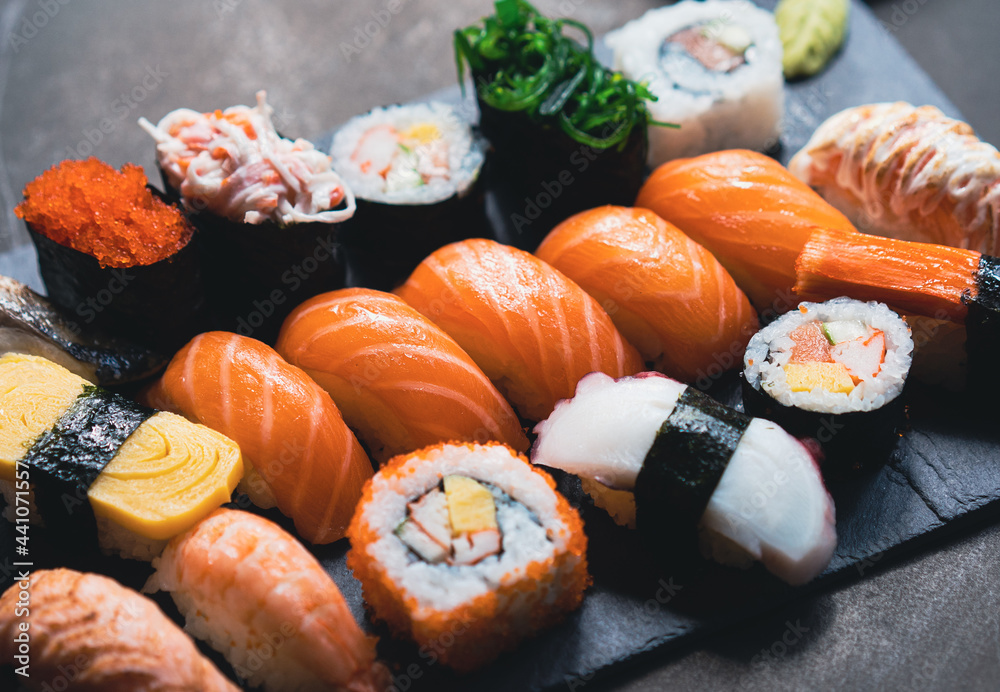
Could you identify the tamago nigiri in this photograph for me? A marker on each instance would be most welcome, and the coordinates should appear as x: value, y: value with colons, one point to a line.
x: 304, y: 458
x: 399, y: 380
x: 532, y: 330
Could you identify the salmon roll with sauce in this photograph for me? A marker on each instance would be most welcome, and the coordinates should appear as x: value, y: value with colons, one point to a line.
x: 468, y: 539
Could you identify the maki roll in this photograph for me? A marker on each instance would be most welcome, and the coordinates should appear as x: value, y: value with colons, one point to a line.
x: 415, y: 172
x: 715, y: 68
x: 114, y: 254
x: 269, y: 210
x: 833, y: 371
x: 567, y: 133
x: 691, y: 474
x: 467, y: 538
x: 95, y: 467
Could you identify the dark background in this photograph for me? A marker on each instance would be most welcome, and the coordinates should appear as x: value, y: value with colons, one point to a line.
x: 931, y: 621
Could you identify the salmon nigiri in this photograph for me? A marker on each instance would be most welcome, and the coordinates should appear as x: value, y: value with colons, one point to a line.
x: 305, y: 459
x: 532, y: 330
x: 76, y: 631
x: 747, y: 210
x: 261, y: 599
x: 399, y: 380
x: 666, y: 294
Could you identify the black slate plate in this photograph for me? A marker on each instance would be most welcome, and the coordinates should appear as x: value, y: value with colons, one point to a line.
x: 943, y: 474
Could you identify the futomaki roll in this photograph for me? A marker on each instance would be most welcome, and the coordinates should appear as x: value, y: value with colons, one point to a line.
x: 468, y: 542
x: 833, y: 371
x: 715, y: 68
x: 415, y: 171
x: 114, y: 254
x: 269, y: 210
x: 691, y: 474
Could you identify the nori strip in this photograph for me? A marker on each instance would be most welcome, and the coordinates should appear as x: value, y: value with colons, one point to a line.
x: 983, y: 325
x: 65, y: 461
x: 681, y: 471
x: 255, y: 274
x: 384, y: 243
x: 850, y: 441
x: 538, y: 177
x: 160, y: 305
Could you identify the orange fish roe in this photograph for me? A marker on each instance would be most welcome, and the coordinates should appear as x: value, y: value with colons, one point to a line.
x: 112, y: 216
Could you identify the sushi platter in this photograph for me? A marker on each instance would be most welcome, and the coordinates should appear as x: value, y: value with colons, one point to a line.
x: 344, y: 442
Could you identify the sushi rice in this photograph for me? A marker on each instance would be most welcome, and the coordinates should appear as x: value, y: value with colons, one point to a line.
x: 446, y: 160
x: 739, y: 108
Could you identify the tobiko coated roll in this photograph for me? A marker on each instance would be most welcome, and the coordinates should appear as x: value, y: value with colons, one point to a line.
x: 113, y: 254
x: 415, y: 172
x: 715, y: 69
x: 98, y: 468
x: 684, y: 470
x: 470, y: 542
x: 567, y: 133
x: 833, y: 371
x: 269, y: 210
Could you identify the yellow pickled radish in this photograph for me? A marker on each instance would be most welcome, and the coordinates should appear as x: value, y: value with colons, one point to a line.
x: 830, y: 377
x: 470, y: 505
x: 421, y: 133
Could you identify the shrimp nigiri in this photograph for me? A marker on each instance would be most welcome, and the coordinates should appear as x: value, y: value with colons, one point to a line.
x: 747, y: 210
x: 305, y: 459
x: 399, y: 380
x: 262, y: 600
x: 532, y: 330
x: 666, y: 294
x: 88, y: 632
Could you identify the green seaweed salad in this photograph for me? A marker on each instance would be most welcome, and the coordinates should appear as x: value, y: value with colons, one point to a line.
x: 522, y: 61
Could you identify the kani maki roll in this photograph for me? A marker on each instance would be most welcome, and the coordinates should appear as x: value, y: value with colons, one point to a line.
x: 833, y: 371
x: 567, y: 133
x: 269, y: 210
x: 467, y: 538
x: 415, y: 171
x: 113, y: 254
x: 715, y: 68
x: 687, y: 471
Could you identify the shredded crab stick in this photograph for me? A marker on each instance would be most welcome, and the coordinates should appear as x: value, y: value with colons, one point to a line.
x: 533, y: 331
x: 237, y: 165
x: 405, y: 158
x: 126, y: 640
x: 666, y: 294
x: 747, y: 210
x: 932, y: 280
x: 399, y: 380
x: 243, y: 583
x: 304, y: 458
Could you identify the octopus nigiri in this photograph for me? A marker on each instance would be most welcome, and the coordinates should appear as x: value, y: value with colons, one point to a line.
x: 399, y: 380
x: 305, y: 459
x: 747, y: 210
x: 75, y: 631
x: 261, y: 599
x: 532, y: 330
x: 666, y: 294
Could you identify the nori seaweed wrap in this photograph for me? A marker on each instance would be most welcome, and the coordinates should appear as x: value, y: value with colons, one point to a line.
x: 269, y: 211
x: 114, y: 254
x: 567, y: 133
x: 416, y: 174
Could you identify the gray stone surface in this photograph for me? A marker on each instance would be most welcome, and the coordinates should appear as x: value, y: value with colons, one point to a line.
x: 928, y: 622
